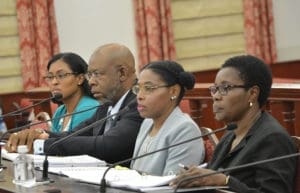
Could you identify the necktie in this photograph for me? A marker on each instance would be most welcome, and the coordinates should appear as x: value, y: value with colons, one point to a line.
x: 108, y: 122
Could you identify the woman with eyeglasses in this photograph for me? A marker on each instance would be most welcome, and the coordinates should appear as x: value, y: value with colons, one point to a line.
x: 66, y: 75
x: 160, y: 88
x: 241, y: 89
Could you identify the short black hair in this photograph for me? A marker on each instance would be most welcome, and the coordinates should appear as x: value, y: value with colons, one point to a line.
x: 77, y: 65
x: 253, y: 71
x: 172, y: 73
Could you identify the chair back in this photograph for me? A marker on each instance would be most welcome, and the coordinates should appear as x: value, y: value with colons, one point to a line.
x: 297, y: 177
x: 210, y: 143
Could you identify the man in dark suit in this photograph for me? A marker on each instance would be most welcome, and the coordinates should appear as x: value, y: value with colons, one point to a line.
x: 111, y: 74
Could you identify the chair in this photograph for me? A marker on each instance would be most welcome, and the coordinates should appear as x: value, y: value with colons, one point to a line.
x: 297, y: 177
x: 212, y: 137
x: 210, y: 143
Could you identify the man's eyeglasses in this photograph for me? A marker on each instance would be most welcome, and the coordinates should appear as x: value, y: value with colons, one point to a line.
x: 59, y: 76
x: 223, y: 89
x: 146, y: 89
x: 91, y: 74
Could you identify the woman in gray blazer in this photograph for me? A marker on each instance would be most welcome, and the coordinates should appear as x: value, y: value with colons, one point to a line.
x: 160, y: 88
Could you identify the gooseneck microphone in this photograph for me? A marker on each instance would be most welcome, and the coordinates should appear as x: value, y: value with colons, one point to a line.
x: 243, y: 166
x: 80, y: 131
x: 103, y: 181
x: 37, y: 123
x: 56, y: 96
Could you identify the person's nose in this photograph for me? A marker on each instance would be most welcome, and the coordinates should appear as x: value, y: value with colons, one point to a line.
x: 54, y: 81
x: 216, y: 96
x: 140, y: 96
x: 92, y: 81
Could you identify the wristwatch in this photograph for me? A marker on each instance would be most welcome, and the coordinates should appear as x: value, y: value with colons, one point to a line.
x: 227, y: 180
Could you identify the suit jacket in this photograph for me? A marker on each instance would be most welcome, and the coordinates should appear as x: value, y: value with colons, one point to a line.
x: 176, y: 128
x: 266, y: 139
x: 114, y: 145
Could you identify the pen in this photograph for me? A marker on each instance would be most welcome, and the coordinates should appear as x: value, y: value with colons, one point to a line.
x: 183, y: 166
x: 186, y: 168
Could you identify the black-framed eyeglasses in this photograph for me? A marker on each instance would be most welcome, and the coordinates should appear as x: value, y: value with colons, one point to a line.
x: 91, y: 74
x: 146, y: 89
x: 58, y: 76
x: 224, y: 88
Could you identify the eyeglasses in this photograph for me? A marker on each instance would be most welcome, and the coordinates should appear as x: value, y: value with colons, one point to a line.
x: 146, y: 89
x: 91, y: 74
x: 59, y: 76
x: 223, y: 89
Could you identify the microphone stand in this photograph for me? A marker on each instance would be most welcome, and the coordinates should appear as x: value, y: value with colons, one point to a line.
x: 78, y: 132
x: 235, y: 168
x: 103, y: 181
x: 37, y: 123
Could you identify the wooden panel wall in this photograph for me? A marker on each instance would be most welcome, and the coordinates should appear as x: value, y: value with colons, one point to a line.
x: 207, y: 32
x: 283, y: 104
x: 10, y: 65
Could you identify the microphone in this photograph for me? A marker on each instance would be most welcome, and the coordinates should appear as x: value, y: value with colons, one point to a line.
x: 37, y: 123
x: 243, y: 166
x: 103, y: 182
x: 130, y: 105
x: 56, y: 96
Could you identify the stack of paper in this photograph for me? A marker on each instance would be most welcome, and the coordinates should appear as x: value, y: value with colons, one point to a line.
x: 57, y: 161
x: 89, y: 169
x: 127, y: 178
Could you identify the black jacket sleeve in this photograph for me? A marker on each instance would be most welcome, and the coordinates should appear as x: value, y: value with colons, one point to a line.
x: 114, y: 145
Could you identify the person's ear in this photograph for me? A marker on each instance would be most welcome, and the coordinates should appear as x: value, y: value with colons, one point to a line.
x: 80, y: 79
x: 123, y: 72
x: 253, y: 94
x: 175, y: 90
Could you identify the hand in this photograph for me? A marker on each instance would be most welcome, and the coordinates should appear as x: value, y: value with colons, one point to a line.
x: 24, y: 137
x: 213, y: 180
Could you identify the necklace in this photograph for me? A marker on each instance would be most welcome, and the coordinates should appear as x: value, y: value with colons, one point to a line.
x: 147, y: 144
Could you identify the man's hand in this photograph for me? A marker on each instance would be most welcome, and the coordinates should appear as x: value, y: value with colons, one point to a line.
x: 24, y: 137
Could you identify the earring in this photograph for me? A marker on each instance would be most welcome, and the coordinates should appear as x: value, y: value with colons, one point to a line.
x: 173, y: 98
x: 250, y: 104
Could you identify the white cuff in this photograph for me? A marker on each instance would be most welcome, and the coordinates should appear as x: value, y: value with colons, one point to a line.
x: 38, y: 146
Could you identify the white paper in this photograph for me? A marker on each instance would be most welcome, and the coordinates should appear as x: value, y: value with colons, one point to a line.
x: 58, y: 161
x: 124, y: 178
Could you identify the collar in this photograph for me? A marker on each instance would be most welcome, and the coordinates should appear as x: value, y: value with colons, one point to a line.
x: 114, y: 109
x: 251, y: 131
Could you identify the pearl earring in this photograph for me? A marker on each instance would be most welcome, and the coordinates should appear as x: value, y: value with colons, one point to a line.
x: 173, y: 98
x: 250, y: 104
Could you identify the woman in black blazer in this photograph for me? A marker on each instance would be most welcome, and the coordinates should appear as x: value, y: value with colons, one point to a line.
x: 241, y: 88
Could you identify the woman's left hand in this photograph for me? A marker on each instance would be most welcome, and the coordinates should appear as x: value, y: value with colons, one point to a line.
x: 213, y: 180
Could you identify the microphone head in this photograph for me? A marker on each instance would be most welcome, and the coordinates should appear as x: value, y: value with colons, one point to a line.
x: 57, y: 96
x: 231, y: 126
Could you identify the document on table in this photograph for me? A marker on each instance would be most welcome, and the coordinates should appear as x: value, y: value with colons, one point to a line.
x: 121, y: 178
x: 59, y: 161
x: 124, y: 179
